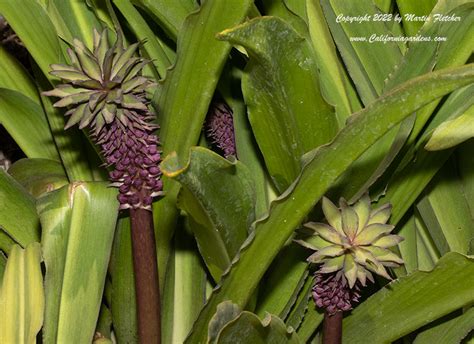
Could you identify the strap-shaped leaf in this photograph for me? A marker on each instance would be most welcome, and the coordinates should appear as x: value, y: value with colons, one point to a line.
x: 22, y: 296
x: 77, y: 240
x: 18, y: 216
x: 412, y: 302
x: 218, y: 196
x: 280, y: 84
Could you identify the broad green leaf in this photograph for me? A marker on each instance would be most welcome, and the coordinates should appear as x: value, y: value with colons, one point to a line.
x: 312, y: 318
x: 323, y: 167
x: 25, y: 121
x: 18, y: 216
x: 427, y: 54
x: 58, y: 21
x: 466, y: 166
x: 219, y: 199
x: 301, y: 304
x: 408, y: 247
x: 283, y: 282
x: 79, y: 17
x: 409, y: 9
x: 449, y: 332
x: 446, y: 213
x: 77, y: 240
x: 22, y: 296
x: 185, y: 288
x: 6, y: 242
x: 422, y: 57
x: 335, y: 84
x: 246, y: 327
x: 123, y: 285
x: 280, y: 84
x: 170, y: 14
x: 279, y: 8
x: 14, y: 76
x: 185, y: 96
x: 3, y: 263
x: 426, y: 251
x: 33, y: 26
x: 412, y: 302
x: 151, y: 43
x: 226, y: 312
x: 414, y: 174
x: 453, y: 132
x: 247, y: 150
x: 368, y: 64
x: 38, y: 176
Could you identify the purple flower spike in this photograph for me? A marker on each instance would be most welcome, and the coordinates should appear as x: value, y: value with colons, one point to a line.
x: 137, y: 181
x: 331, y: 291
x: 220, y: 128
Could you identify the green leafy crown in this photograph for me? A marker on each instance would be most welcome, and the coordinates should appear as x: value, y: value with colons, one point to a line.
x: 102, y: 84
x: 355, y: 240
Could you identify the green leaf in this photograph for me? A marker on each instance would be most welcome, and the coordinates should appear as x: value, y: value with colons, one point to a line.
x: 449, y: 332
x: 412, y: 302
x: 302, y: 303
x: 185, y: 288
x: 22, y: 296
x: 219, y: 199
x: 79, y: 18
x: 15, y: 77
x: 200, y: 59
x: 446, y: 213
x: 368, y: 64
x: 38, y: 176
x: 426, y: 250
x: 466, y: 166
x: 25, y: 121
x: 323, y: 167
x: 152, y: 45
x: 246, y: 327
x: 280, y: 84
x: 247, y: 150
x: 335, y: 84
x: 284, y: 281
x: 226, y: 312
x: 408, y: 248
x: 453, y: 132
x: 77, y: 240
x: 419, y: 9
x: 123, y: 285
x: 312, y: 318
x: 170, y: 14
x: 18, y: 216
x: 33, y: 26
x: 413, y: 174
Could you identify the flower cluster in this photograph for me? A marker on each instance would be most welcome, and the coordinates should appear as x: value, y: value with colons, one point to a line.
x: 104, y: 90
x: 220, y: 128
x: 349, y: 248
x: 331, y: 292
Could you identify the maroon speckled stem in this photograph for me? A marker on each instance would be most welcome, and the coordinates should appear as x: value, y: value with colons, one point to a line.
x: 332, y: 328
x: 146, y: 276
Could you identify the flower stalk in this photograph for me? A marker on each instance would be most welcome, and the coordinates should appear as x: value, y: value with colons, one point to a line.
x: 104, y: 90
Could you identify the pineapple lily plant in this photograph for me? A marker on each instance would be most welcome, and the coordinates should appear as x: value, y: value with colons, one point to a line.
x: 178, y: 189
